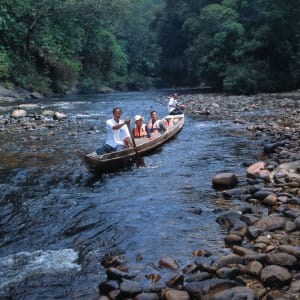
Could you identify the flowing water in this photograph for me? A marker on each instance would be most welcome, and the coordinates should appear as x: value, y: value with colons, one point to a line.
x: 57, y: 221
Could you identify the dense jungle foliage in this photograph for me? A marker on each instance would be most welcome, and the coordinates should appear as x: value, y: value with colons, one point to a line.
x: 236, y: 45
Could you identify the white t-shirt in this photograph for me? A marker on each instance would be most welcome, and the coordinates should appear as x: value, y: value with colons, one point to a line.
x: 116, y: 136
x: 172, y: 104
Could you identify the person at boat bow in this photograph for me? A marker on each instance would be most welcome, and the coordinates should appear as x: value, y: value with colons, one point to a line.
x: 140, y: 130
x: 118, y: 136
x: 155, y: 125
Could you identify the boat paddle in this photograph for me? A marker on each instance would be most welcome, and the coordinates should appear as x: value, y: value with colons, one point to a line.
x: 139, y: 159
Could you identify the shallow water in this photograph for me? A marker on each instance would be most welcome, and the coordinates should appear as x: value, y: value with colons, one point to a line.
x: 57, y: 220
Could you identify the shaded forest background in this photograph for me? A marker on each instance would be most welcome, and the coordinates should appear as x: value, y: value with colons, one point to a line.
x: 58, y: 46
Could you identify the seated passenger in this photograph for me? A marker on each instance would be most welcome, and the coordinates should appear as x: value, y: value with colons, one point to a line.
x: 155, y: 125
x: 173, y: 107
x: 140, y: 130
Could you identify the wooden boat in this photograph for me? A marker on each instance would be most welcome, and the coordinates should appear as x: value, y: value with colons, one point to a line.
x: 115, y: 160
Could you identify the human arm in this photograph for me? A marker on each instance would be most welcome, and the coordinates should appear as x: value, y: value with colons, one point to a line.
x: 118, y: 126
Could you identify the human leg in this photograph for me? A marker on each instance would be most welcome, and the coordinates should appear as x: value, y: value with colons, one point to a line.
x: 120, y: 147
x: 104, y: 149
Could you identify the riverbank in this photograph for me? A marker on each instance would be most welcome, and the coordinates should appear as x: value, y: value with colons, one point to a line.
x: 263, y: 232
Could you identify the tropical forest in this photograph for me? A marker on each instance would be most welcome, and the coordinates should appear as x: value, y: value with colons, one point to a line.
x: 239, y: 46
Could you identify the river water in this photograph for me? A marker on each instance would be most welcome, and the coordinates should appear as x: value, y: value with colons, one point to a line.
x: 57, y: 221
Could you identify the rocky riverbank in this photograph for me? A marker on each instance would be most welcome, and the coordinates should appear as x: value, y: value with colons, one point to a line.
x: 263, y: 232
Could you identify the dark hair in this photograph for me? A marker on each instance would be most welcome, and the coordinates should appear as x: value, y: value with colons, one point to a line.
x: 153, y: 111
x: 116, y: 108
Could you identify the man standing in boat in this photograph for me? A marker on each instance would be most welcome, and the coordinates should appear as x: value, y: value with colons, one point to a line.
x: 118, y: 136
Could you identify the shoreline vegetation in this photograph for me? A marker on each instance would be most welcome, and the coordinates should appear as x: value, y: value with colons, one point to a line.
x: 263, y: 231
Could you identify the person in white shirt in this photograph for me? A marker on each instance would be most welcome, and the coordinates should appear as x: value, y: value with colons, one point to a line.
x: 173, y: 106
x: 118, y: 136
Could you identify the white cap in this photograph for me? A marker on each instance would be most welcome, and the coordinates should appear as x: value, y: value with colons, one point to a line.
x: 138, y: 117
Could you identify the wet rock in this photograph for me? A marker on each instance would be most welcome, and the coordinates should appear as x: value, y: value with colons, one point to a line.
x: 130, y: 287
x: 260, y: 257
x: 199, y: 276
x: 115, y: 274
x: 48, y: 113
x: 228, y: 273
x: 255, y: 169
x: 254, y: 268
x: 200, y: 290
x: 229, y: 260
x: 249, y: 219
x: 254, y: 232
x: 106, y: 286
x: 281, y: 259
x: 59, y: 116
x: 236, y: 293
x: 270, y: 148
x: 168, y: 262
x: 176, y: 280
x: 242, y: 250
x: 278, y: 295
x: 275, y: 276
x: 18, y: 113
x: 228, y: 218
x: 270, y: 200
x: 169, y: 294
x: 224, y: 180
x: 295, y: 287
x: 293, y: 250
x: 147, y: 296
x: 270, y: 223
x: 233, y: 239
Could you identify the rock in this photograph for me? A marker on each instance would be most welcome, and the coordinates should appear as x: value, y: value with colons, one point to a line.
x: 236, y: 293
x: 59, y: 116
x: 200, y: 276
x: 293, y: 165
x: 270, y: 148
x: 168, y: 262
x: 270, y: 223
x: 254, y: 268
x: 18, y: 113
x: 176, y: 280
x: 106, y: 286
x: 48, y: 113
x: 115, y: 274
x: 130, y: 287
x: 293, y: 250
x: 228, y: 273
x: 295, y: 287
x: 281, y: 259
x: 275, y: 276
x: 169, y: 294
x: 278, y: 295
x: 224, y: 180
x: 255, y: 169
x: 231, y: 239
x: 147, y: 296
x: 228, y: 218
x: 201, y: 289
x: 229, y: 260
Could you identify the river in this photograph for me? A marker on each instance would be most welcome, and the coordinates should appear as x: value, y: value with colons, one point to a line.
x: 57, y: 221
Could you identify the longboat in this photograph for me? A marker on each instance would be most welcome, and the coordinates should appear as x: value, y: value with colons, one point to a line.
x: 115, y: 160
